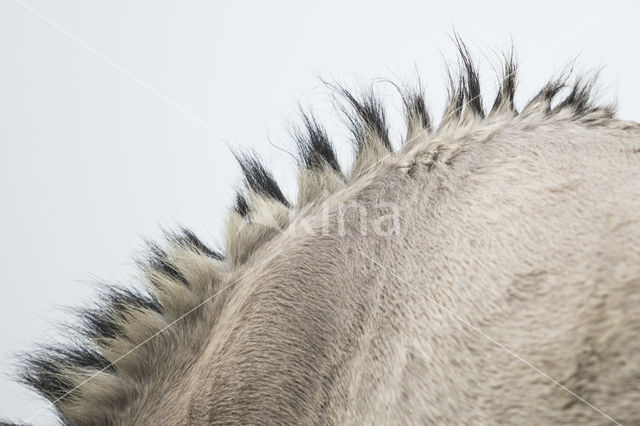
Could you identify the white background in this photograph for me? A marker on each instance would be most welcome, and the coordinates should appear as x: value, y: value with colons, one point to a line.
x: 96, y: 152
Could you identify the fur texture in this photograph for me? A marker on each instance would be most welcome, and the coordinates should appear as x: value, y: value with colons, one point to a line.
x: 524, y: 225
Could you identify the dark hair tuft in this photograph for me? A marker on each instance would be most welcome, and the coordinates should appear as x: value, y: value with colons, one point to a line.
x: 159, y: 260
x: 103, y: 321
x: 507, y: 87
x: 187, y: 238
x: 416, y: 108
x: 241, y: 206
x: 470, y: 80
x: 45, y: 370
x: 369, y: 118
x: 315, y: 149
x: 259, y: 179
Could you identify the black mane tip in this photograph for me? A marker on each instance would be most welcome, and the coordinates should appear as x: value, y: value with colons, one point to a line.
x: 259, y: 179
x: 368, y: 117
x: 314, y: 147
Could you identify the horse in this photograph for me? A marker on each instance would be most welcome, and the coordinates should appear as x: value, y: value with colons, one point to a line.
x: 485, y: 272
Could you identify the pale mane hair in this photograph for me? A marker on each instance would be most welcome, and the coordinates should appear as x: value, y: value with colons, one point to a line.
x: 138, y: 349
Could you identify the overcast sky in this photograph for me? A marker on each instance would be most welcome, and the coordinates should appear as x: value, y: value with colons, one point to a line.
x: 116, y: 117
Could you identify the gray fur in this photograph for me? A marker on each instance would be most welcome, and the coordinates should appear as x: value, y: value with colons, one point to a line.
x: 520, y: 229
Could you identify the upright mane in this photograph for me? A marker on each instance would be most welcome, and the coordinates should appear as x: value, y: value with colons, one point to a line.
x: 136, y: 332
